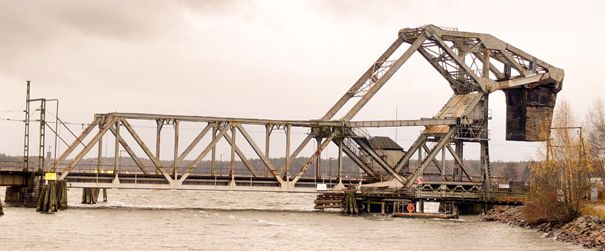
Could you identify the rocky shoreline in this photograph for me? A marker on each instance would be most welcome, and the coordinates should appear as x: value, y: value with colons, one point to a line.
x: 588, y: 231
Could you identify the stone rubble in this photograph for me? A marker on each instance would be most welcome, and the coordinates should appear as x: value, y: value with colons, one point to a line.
x: 588, y: 231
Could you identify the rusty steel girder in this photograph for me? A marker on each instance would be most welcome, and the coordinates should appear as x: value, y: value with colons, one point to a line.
x: 474, y: 65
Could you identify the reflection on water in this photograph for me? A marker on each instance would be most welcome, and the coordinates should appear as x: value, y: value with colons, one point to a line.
x: 208, y: 220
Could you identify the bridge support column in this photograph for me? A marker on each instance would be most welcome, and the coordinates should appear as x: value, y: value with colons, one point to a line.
x: 53, y: 197
x: 90, y: 195
x: 24, y: 196
x: 104, y: 194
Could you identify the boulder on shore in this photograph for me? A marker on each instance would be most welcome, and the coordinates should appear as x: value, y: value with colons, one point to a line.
x: 588, y: 231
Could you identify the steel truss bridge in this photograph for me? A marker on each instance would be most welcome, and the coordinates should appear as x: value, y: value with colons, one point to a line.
x: 473, y: 64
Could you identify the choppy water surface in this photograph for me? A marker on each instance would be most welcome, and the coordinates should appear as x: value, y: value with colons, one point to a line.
x: 202, y: 220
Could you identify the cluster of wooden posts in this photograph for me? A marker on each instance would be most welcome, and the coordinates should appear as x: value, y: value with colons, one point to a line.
x: 328, y: 200
x: 344, y: 200
x: 91, y: 195
x: 349, y: 203
x: 53, y: 197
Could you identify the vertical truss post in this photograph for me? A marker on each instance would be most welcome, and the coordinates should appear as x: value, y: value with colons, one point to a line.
x: 486, y: 63
x: 116, y: 164
x: 485, y: 168
x: 340, y: 143
x: 176, y: 148
x: 419, y: 156
x: 232, y: 164
x: 213, y: 154
x: 460, y: 154
x: 158, y: 138
x: 288, y: 131
x: 268, y: 130
x: 100, y: 155
x: 485, y: 162
x: 318, y: 160
x: 443, y: 163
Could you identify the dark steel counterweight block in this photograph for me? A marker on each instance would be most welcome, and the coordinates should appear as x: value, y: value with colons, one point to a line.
x: 529, y: 113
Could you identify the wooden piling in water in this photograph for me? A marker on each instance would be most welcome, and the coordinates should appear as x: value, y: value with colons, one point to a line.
x: 62, y: 194
x: 53, y: 196
x: 349, y: 203
x: 45, y: 199
x: 52, y: 203
x: 95, y: 195
x: 41, y: 196
x: 90, y: 195
x: 1, y: 210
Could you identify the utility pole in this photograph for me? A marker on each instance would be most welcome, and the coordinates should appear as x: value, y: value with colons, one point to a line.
x: 42, y: 140
x: 26, y: 139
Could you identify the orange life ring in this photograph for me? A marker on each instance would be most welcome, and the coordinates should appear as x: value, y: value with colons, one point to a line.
x: 410, y: 208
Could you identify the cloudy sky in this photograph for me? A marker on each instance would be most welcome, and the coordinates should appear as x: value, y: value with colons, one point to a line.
x: 269, y: 59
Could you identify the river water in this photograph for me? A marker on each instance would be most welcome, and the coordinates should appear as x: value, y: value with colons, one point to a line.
x: 209, y: 220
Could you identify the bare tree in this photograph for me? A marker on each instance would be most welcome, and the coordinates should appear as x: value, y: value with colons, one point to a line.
x: 595, y: 134
x: 560, y: 181
x: 510, y: 172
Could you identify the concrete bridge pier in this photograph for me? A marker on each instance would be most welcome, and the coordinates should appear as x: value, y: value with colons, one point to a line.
x: 22, y: 190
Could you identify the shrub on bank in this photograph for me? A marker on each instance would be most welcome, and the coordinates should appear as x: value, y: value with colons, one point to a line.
x: 559, y: 184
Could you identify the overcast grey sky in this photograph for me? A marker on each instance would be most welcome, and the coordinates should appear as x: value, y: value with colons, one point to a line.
x: 269, y: 59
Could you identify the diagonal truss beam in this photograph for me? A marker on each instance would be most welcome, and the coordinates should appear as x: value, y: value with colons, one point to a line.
x: 148, y: 152
x: 510, y: 60
x: 359, y: 83
x: 408, y: 155
x: 435, y: 162
x: 260, y: 154
x: 240, y: 154
x: 222, y: 131
x: 380, y: 82
x: 383, y: 164
x: 420, y: 170
x: 128, y: 149
x: 356, y: 159
x: 297, y: 151
x: 485, y: 59
x: 459, y: 161
x: 102, y: 130
x: 313, y: 157
x: 457, y: 60
x: 75, y: 144
x: 193, y: 143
